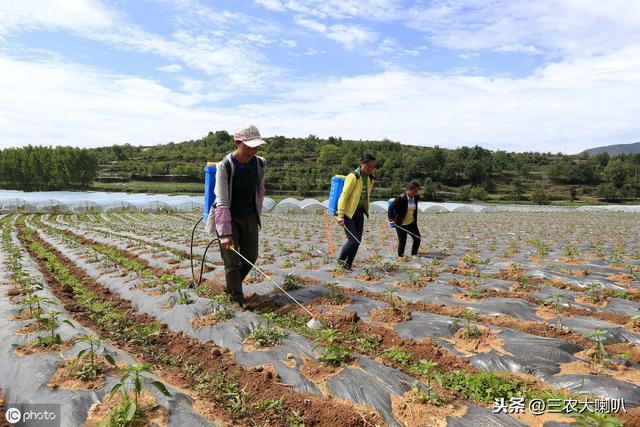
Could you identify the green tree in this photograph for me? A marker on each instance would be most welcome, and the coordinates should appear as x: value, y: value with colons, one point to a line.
x: 518, y: 188
x: 478, y: 193
x: 538, y: 195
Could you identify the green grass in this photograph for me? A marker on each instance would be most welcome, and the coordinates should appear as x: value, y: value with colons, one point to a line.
x: 189, y: 188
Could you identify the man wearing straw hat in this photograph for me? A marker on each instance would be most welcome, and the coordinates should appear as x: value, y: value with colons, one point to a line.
x: 239, y: 192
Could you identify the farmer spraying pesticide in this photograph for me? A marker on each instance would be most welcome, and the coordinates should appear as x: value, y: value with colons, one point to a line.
x: 403, y: 215
x: 353, y: 205
x: 235, y: 214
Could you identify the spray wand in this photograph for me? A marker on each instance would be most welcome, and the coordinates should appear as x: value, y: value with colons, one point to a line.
x: 314, y: 323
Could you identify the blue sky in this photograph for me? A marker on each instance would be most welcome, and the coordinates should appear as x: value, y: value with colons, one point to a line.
x: 534, y: 75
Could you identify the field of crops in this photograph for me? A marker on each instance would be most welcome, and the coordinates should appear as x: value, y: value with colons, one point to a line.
x: 499, y: 314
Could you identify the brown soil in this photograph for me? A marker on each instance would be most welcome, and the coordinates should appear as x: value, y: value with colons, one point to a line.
x: 34, y: 326
x: 318, y: 373
x: 633, y: 350
x: 582, y: 299
x: 631, y: 416
x: 22, y: 316
x: 619, y: 372
x: 463, y: 270
x: 249, y: 346
x: 547, y: 313
x: 389, y: 315
x: 633, y: 326
x: 13, y: 292
x: 609, y: 317
x: 535, y: 328
x: 541, y: 329
x: 579, y: 273
x: 571, y: 261
x: 62, y: 378
x: 483, y: 343
x: 156, y: 292
x: 32, y: 348
x: 424, y: 349
x: 259, y: 302
x: 305, y: 280
x: 410, y: 286
x: 339, y: 272
x: 369, y: 277
x: 157, y: 415
x: 620, y: 279
x: 411, y: 412
x: 317, y: 410
x: 2, y: 417
x: 202, y: 321
x: 3, y: 420
x: 257, y: 278
x: 561, y: 284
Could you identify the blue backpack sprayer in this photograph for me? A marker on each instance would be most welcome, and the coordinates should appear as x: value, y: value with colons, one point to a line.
x: 209, y: 199
x: 337, y: 185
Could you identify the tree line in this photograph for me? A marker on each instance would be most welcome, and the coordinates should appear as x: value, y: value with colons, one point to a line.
x: 304, y: 167
x: 45, y: 168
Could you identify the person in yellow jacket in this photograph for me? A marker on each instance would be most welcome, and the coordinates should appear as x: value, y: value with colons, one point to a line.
x: 353, y: 205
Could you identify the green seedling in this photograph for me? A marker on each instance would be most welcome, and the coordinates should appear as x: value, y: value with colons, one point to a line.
x: 427, y: 369
x: 295, y: 419
x: 335, y: 355
x: 595, y: 419
x: 594, y: 292
x: 92, y: 369
x: 398, y: 355
x: 425, y: 395
x: 470, y: 330
x: 35, y: 304
x: 51, y: 322
x: 267, y: 335
x: 555, y: 300
x: 128, y: 412
x: 600, y: 354
x: 289, y: 284
x: 474, y: 291
x: 571, y: 251
x: 335, y: 293
x: 183, y: 298
x: 370, y: 342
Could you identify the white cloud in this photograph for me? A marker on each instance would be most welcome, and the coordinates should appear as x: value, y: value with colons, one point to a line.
x: 312, y: 25
x: 561, y: 107
x: 213, y: 52
x: 171, y: 68
x: 75, y: 15
x: 377, y: 10
x: 569, y: 27
x: 68, y: 104
x: 350, y: 36
x: 271, y: 5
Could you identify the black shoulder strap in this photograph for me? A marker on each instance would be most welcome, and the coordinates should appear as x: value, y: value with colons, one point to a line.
x: 226, y: 162
x: 260, y: 162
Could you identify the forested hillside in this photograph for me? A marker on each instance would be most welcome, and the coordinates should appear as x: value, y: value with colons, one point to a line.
x: 45, y: 168
x: 303, y: 167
